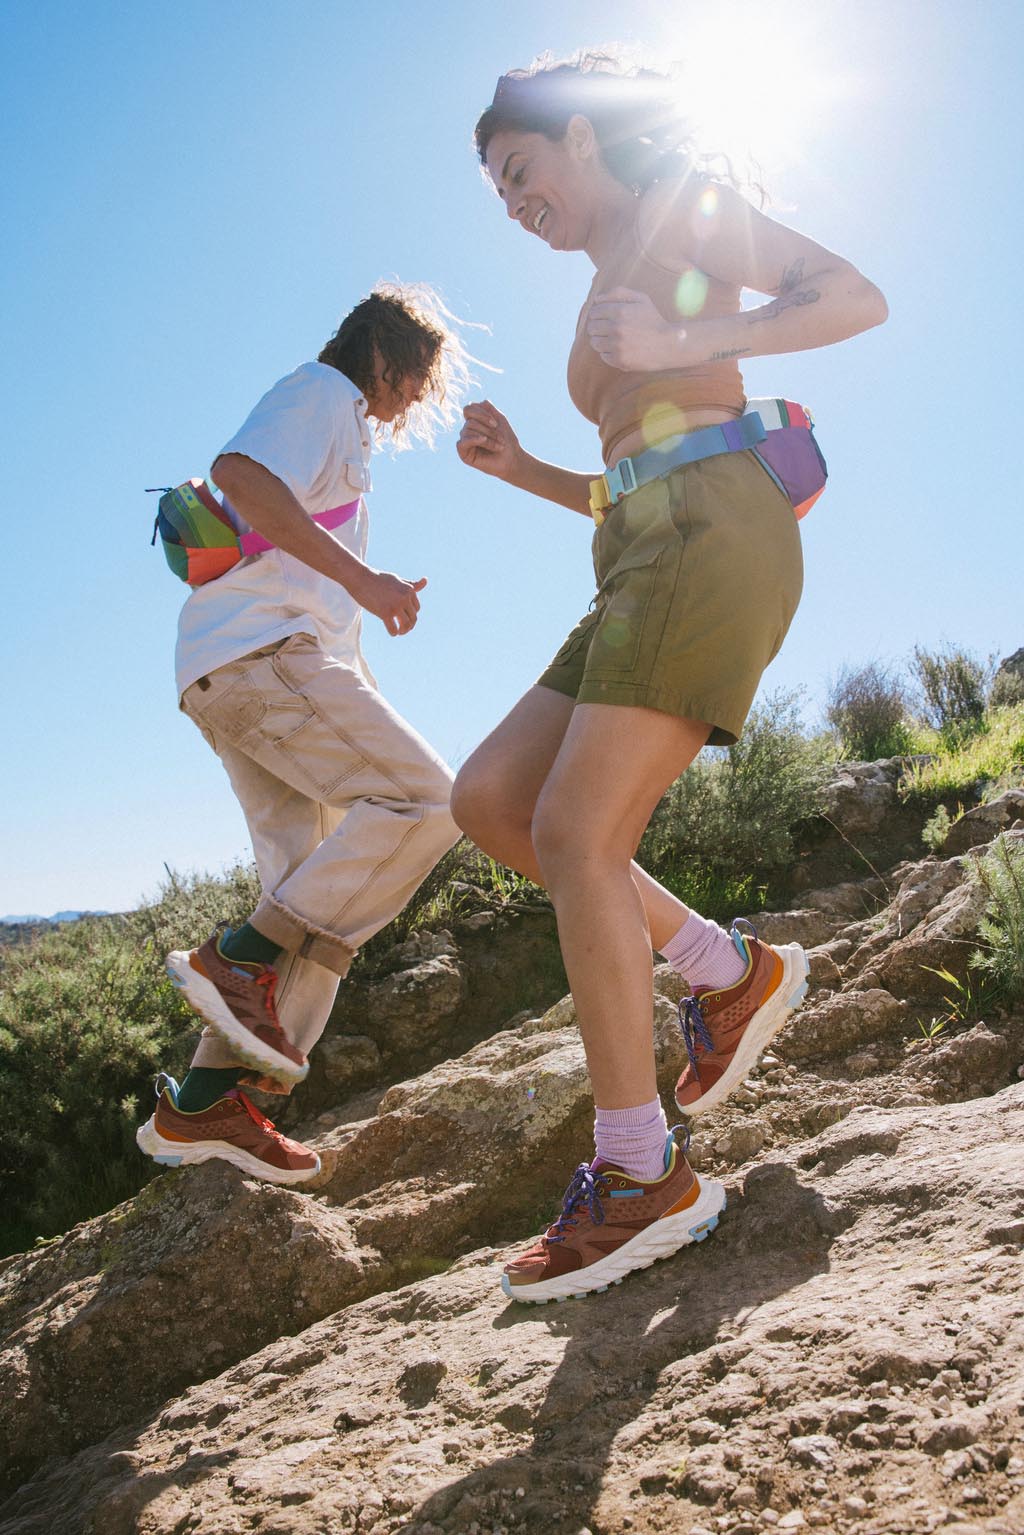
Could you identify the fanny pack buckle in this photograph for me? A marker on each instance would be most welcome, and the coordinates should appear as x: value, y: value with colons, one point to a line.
x: 610, y: 489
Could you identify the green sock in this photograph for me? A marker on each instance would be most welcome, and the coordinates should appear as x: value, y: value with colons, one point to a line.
x: 205, y: 1084
x: 247, y: 943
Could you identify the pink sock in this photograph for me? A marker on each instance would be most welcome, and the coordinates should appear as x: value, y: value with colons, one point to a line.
x: 704, y: 953
x: 633, y: 1139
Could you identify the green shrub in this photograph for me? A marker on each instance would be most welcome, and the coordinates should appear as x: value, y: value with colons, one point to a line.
x: 994, y: 754
x: 723, y: 833
x: 936, y: 829
x: 867, y: 708
x: 953, y: 685
x: 1000, y: 872
x: 1007, y: 689
x: 87, y: 1018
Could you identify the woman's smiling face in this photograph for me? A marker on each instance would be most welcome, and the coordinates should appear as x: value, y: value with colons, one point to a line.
x: 545, y: 184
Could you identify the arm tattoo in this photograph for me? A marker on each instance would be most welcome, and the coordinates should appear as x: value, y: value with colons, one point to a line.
x: 791, y: 295
x: 735, y: 351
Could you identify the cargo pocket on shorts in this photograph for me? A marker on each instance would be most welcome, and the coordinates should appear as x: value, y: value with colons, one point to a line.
x: 574, y: 643
x: 623, y: 610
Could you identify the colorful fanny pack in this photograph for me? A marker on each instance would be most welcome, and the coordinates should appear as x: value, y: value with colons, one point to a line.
x: 199, y: 539
x: 778, y: 431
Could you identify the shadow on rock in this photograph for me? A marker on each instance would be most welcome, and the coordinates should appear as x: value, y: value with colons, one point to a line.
x: 620, y: 1346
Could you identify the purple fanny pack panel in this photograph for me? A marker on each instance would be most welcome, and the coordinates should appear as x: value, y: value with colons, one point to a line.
x: 794, y: 461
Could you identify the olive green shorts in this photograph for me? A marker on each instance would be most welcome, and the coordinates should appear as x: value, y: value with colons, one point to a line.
x: 699, y: 575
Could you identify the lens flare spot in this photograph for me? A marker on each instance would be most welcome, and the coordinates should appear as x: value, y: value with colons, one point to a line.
x: 531, y: 1092
x: 708, y: 202
x: 691, y: 291
x: 616, y: 632
x: 662, y: 420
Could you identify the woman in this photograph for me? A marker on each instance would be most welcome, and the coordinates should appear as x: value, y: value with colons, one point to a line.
x: 699, y: 573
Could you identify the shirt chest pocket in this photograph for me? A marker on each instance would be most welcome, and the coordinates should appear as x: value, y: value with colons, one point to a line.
x: 357, y: 475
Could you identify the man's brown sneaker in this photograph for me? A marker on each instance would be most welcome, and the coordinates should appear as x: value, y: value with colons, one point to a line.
x: 727, y: 1029
x: 612, y: 1224
x: 232, y: 1129
x: 236, y: 998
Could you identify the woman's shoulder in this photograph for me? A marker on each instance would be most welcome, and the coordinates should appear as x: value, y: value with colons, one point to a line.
x: 676, y: 217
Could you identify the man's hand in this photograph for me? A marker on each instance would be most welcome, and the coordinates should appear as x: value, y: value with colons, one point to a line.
x: 487, y: 442
x: 390, y: 599
x: 626, y: 330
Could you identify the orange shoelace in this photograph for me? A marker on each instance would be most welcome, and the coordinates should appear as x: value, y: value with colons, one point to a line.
x: 265, y: 1124
x: 268, y: 980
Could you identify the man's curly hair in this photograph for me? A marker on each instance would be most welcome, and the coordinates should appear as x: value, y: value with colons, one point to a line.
x: 411, y: 330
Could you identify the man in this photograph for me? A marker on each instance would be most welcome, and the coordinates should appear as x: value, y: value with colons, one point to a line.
x: 346, y: 804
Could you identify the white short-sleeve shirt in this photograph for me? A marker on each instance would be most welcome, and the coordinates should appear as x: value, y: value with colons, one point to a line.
x: 310, y: 430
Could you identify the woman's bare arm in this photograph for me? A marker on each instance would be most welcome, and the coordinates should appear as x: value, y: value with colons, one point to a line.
x: 488, y: 443
x: 818, y: 297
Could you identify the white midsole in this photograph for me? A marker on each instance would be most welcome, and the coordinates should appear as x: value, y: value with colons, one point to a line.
x: 203, y: 996
x: 154, y: 1144
x: 761, y: 1030
x: 657, y: 1240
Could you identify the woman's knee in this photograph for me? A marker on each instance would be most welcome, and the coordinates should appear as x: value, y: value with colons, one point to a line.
x: 568, y: 841
x: 482, y: 807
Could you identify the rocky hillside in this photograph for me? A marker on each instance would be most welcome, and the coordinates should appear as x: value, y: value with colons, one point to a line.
x: 845, y: 1353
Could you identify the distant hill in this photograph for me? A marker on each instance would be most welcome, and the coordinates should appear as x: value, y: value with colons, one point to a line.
x: 58, y: 916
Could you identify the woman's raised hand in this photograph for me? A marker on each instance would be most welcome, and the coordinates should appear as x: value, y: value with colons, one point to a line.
x: 627, y: 332
x: 487, y: 441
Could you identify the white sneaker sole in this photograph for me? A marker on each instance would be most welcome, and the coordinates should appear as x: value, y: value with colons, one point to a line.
x: 203, y: 998
x: 761, y: 1029
x: 185, y: 1153
x: 658, y: 1240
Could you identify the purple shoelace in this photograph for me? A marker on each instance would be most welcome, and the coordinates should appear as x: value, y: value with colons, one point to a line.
x: 585, y: 1187
x: 696, y: 1034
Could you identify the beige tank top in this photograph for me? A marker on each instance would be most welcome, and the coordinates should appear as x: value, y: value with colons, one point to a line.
x: 655, y: 404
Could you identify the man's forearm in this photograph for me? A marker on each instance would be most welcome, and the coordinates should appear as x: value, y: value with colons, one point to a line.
x: 268, y: 505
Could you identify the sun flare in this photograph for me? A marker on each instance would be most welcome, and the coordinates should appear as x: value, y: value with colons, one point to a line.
x: 760, y: 94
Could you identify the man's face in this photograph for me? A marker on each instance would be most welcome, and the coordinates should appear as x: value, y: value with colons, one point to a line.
x: 387, y: 401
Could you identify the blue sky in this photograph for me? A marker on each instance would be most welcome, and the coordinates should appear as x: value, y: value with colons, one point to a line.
x: 195, y: 193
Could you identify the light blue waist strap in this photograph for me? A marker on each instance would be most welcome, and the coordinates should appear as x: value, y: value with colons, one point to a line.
x: 630, y: 473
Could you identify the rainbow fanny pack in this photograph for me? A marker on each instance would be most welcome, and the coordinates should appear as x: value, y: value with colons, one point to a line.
x: 199, y: 540
x: 779, y: 432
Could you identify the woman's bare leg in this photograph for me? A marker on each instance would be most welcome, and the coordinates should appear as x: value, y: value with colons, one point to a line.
x: 497, y: 789
x: 612, y: 768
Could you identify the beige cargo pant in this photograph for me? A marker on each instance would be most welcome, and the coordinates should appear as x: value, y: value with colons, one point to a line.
x: 347, y: 808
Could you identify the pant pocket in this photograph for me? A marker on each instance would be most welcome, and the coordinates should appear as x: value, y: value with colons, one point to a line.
x: 623, y: 614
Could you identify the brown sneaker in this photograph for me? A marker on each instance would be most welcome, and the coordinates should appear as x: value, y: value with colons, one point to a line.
x: 232, y: 1129
x: 236, y: 998
x: 611, y: 1224
x: 727, y: 1030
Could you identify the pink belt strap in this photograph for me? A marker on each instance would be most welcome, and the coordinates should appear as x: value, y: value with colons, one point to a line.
x: 255, y: 543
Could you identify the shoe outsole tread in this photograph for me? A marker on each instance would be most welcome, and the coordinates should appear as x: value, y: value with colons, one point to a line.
x: 181, y: 1154
x: 205, y: 1000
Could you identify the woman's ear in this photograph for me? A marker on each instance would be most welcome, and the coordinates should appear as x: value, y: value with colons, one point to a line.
x: 580, y: 137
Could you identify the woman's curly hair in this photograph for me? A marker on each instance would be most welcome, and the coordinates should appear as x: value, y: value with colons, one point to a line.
x: 642, y: 132
x: 409, y: 327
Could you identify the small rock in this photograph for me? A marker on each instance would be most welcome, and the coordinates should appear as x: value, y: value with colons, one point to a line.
x: 855, y: 1507
x: 794, y: 1520
x: 955, y: 1463
x: 817, y: 1450
x: 744, y: 1496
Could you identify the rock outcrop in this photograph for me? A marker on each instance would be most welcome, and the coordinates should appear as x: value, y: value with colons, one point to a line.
x: 218, y: 1356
